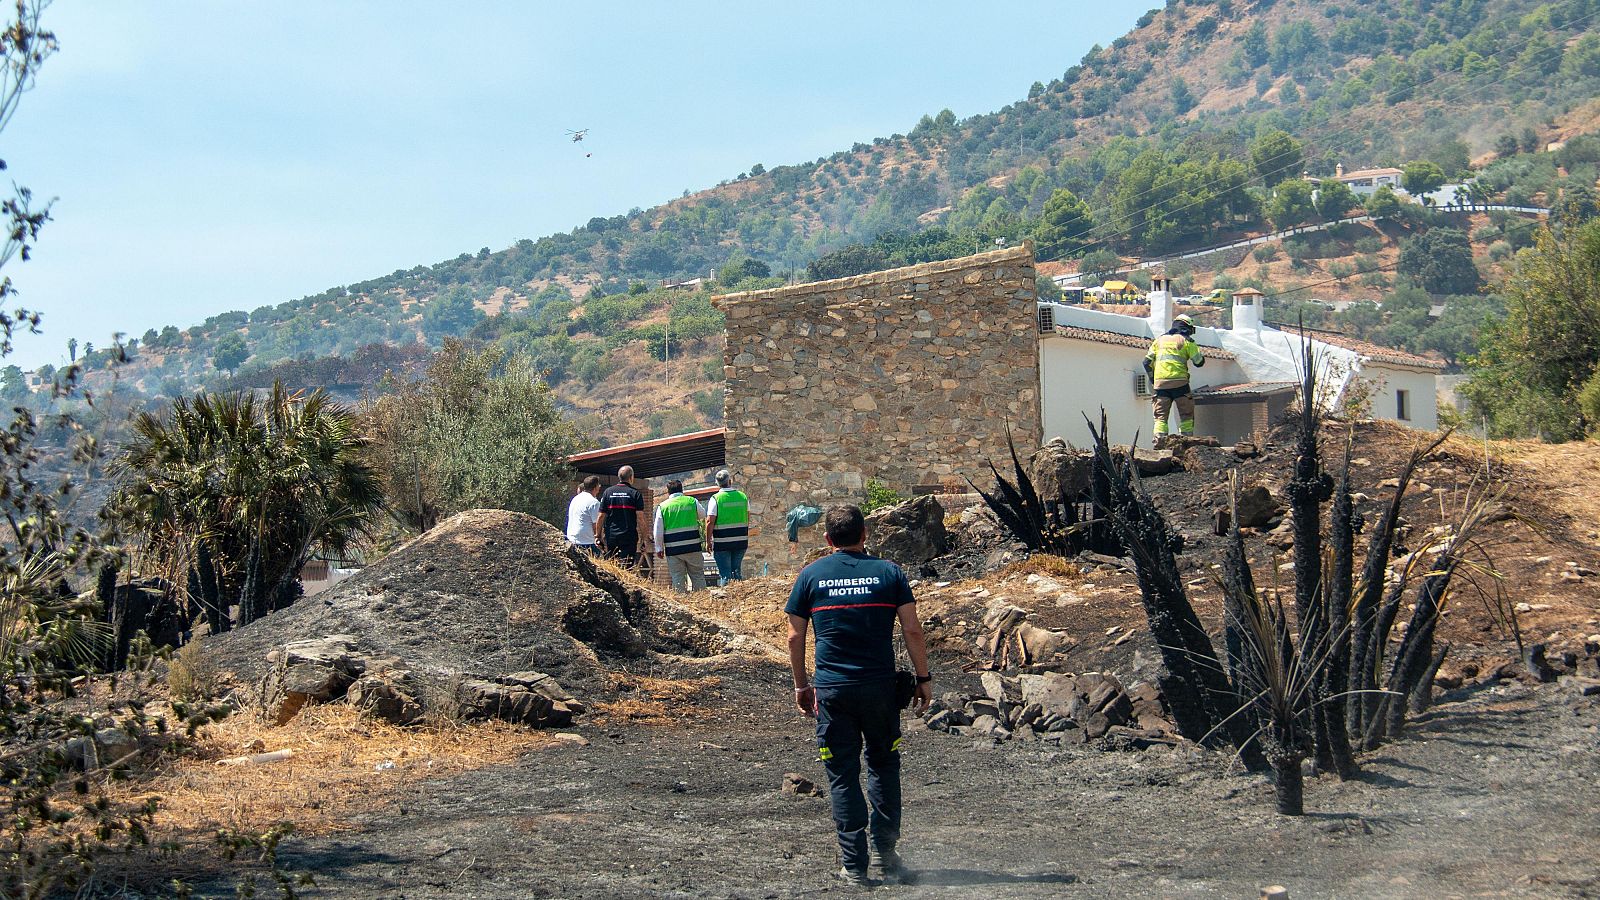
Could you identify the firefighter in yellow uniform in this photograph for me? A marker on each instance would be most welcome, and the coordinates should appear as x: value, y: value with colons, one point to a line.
x: 1168, y: 365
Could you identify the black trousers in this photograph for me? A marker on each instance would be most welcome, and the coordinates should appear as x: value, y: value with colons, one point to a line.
x: 851, y: 719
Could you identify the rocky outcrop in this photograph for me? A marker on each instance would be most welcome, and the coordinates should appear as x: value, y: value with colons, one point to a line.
x: 1056, y: 706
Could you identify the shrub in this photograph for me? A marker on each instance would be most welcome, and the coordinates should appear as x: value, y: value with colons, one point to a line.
x: 192, y: 676
x: 880, y: 495
x: 1368, y: 244
x: 1265, y: 253
x: 1500, y: 251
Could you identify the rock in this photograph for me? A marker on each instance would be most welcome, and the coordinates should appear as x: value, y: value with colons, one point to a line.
x: 1537, y: 665
x: 1000, y: 688
x: 989, y: 726
x: 1583, y: 687
x: 1221, y: 522
x: 977, y: 709
x: 1246, y: 449
x: 310, y: 671
x: 107, y: 747
x: 1154, y: 462
x: 1060, y: 472
x: 1052, y: 692
x: 911, y: 533
x: 798, y: 785
x: 941, y: 720
x: 1257, y: 506
x: 390, y: 695
x: 482, y: 699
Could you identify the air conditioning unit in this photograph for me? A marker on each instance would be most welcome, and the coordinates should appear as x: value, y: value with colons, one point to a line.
x: 1141, y: 385
x: 1047, y: 318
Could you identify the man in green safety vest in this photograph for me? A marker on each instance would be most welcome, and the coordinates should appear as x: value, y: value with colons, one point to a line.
x: 677, y: 534
x: 728, y: 528
x: 1168, y: 366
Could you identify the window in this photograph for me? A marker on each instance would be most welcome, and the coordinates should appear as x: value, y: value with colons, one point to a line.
x: 1402, y: 405
x: 1141, y: 385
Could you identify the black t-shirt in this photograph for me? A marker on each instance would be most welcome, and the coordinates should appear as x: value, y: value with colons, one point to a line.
x: 852, y: 600
x: 621, y: 504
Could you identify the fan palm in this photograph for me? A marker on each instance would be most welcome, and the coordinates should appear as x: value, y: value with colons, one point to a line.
x: 230, y: 495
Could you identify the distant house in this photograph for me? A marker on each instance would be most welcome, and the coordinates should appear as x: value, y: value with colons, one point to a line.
x: 1367, y: 181
x: 1092, y: 360
x: 688, y: 284
x: 1125, y: 291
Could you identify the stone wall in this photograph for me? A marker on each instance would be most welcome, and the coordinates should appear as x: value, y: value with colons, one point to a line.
x: 909, y: 376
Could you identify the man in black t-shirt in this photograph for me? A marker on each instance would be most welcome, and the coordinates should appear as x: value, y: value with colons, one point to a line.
x: 621, y: 517
x: 853, y: 600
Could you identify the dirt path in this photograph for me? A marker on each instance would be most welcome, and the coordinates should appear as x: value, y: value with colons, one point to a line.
x: 1491, y: 795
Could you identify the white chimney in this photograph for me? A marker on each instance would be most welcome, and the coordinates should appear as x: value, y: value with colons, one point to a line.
x: 1161, y: 306
x: 1247, y: 310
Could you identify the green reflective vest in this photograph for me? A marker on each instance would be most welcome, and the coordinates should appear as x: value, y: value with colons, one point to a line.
x: 1171, y: 354
x: 733, y: 520
x: 680, y: 525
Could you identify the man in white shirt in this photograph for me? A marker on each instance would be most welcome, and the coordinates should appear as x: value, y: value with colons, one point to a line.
x: 583, y: 516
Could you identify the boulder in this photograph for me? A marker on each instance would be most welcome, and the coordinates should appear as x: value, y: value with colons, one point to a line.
x: 1052, y: 692
x: 1060, y: 471
x: 1000, y: 688
x: 911, y: 533
x: 479, y: 698
x: 310, y: 671
x: 390, y: 695
x: 1011, y: 640
x: 1257, y: 507
x: 1154, y: 462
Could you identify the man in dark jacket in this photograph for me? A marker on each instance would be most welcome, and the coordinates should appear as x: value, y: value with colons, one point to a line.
x: 621, y: 514
x: 853, y: 601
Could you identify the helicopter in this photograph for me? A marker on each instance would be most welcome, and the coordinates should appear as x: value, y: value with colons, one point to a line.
x: 577, y: 135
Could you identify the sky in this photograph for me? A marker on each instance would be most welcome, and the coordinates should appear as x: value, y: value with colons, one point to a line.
x: 209, y: 156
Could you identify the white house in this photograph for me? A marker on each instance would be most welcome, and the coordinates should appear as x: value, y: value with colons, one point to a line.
x: 1367, y: 181
x: 1091, y: 359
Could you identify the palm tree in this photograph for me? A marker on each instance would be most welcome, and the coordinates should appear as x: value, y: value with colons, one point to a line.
x: 230, y: 495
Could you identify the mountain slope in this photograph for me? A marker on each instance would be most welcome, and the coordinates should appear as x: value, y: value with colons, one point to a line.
x: 1362, y: 82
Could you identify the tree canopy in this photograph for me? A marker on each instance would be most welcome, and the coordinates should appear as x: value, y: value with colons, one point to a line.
x: 1440, y: 262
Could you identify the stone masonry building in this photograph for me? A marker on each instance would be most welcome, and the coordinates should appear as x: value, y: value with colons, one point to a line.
x: 910, y: 376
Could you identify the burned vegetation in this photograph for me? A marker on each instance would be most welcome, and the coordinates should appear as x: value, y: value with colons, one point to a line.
x: 1322, y: 666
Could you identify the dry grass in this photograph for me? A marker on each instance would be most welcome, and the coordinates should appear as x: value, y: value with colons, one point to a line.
x: 655, y: 701
x: 342, y: 764
x: 1057, y: 567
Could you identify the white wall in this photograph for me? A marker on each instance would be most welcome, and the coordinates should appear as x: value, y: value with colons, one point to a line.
x: 1078, y: 377
x: 1422, y: 387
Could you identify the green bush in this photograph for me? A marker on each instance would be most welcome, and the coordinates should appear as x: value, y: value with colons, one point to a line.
x: 880, y: 495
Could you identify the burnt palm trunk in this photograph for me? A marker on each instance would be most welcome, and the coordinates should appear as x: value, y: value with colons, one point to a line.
x: 1413, y: 659
x: 1202, y: 700
x: 1289, y: 786
x: 1307, y: 491
x: 210, y: 583
x: 1334, y: 671
x: 1244, y: 666
x: 1365, y: 645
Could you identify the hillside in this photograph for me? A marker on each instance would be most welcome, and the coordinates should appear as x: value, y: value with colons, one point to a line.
x: 1159, y: 134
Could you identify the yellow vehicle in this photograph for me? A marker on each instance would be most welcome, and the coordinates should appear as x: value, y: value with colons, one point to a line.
x: 1219, y: 296
x: 1121, y: 291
